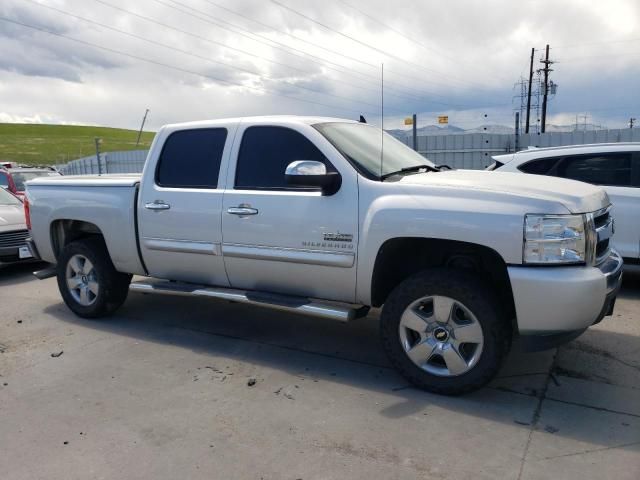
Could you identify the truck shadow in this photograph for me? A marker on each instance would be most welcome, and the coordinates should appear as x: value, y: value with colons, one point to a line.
x: 18, y: 273
x: 325, y: 351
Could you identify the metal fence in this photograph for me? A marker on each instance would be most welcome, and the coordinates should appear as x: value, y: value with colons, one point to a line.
x: 110, y: 162
x: 474, y: 150
x: 470, y: 150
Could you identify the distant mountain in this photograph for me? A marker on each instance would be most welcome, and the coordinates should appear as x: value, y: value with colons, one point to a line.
x: 430, y: 130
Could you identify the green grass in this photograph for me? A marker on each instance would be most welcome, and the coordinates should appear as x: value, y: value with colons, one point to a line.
x: 55, y: 144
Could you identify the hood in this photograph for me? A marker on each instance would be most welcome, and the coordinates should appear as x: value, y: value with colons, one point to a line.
x: 12, y: 217
x: 577, y: 197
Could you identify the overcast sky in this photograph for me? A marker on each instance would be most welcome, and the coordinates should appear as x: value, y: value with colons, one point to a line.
x: 104, y: 61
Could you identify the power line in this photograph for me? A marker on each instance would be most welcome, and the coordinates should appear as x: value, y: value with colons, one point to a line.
x: 216, y: 21
x: 380, y: 22
x: 360, y: 42
x: 164, y: 45
x: 209, y: 40
x: 313, y: 44
x: 173, y: 67
x: 281, y: 46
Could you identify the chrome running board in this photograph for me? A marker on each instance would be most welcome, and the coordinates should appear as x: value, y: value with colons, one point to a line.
x: 262, y: 299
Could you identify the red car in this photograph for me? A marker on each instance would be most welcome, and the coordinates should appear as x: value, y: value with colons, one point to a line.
x: 13, y: 179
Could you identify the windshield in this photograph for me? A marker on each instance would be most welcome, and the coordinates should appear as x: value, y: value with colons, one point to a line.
x: 7, y: 199
x: 362, y: 143
x: 20, y: 178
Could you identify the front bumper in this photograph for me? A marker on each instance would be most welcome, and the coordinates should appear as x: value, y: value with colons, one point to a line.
x: 556, y: 304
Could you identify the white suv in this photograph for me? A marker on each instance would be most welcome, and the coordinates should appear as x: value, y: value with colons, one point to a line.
x: 614, y: 166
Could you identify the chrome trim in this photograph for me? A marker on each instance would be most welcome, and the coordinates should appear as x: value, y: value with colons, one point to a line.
x: 611, y: 268
x: 277, y: 302
x: 605, y: 232
x: 157, y: 205
x: 242, y: 210
x: 306, y: 167
x: 182, y: 246
x: 292, y: 255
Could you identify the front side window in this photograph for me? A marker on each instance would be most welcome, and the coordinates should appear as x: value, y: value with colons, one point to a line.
x: 613, y: 169
x: 191, y: 158
x: 4, y: 180
x: 371, y: 151
x: 265, y: 153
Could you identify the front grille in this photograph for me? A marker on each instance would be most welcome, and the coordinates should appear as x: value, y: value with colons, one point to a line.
x: 603, y: 222
x: 13, y: 239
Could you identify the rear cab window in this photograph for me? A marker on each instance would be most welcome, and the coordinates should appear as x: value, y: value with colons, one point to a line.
x: 191, y: 158
x: 606, y: 169
x: 611, y: 169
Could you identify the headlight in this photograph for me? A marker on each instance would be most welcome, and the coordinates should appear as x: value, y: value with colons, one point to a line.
x: 554, y: 239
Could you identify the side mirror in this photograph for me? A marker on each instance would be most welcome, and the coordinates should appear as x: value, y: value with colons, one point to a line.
x: 309, y: 173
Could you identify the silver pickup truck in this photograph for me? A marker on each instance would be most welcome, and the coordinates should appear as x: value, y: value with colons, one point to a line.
x: 308, y: 215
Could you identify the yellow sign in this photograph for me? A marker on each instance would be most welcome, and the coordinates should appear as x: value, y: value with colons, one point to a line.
x: 443, y: 119
x: 408, y: 121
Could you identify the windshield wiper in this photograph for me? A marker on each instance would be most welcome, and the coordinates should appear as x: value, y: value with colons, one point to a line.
x: 413, y: 168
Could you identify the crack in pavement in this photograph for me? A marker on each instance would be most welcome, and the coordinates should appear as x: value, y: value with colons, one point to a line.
x: 536, y: 415
x: 593, y: 450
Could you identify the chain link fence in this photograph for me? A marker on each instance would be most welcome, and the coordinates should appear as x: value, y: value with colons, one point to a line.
x: 110, y: 162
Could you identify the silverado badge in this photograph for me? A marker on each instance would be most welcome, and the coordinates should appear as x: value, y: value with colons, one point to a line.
x: 338, y: 237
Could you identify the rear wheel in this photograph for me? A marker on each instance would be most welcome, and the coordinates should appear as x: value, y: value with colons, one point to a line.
x: 88, y: 282
x: 444, y: 331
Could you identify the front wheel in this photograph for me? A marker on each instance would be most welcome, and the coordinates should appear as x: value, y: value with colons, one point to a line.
x: 88, y: 282
x: 444, y: 331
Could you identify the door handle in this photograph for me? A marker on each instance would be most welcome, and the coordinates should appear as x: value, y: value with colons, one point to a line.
x: 242, y: 210
x: 157, y: 205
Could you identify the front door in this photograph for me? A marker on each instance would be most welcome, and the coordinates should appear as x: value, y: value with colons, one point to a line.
x: 282, y: 239
x: 180, y: 206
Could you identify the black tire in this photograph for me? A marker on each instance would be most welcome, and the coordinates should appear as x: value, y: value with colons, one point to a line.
x: 480, y: 300
x: 113, y: 285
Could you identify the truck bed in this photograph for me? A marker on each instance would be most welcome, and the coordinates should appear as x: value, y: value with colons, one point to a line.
x: 105, y: 203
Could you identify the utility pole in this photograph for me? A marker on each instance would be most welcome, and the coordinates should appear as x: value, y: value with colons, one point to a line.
x: 98, y: 140
x: 415, y: 132
x: 142, y: 126
x: 526, y: 128
x: 545, y: 86
x: 517, y: 131
x: 631, y: 121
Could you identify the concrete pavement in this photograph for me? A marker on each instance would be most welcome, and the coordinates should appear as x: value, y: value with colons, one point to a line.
x: 161, y: 391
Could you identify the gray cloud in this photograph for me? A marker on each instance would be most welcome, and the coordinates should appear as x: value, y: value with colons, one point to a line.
x: 463, y: 59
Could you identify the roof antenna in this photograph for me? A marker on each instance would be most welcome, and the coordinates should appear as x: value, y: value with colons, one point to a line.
x: 382, y: 117
x: 362, y: 119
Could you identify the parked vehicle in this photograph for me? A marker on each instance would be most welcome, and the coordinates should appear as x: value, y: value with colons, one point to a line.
x: 13, y: 230
x: 299, y: 213
x: 614, y: 166
x: 14, y: 179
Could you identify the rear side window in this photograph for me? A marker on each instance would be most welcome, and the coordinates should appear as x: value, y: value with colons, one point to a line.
x: 4, y: 180
x: 265, y: 153
x: 191, y: 158
x: 612, y: 169
x: 539, y: 167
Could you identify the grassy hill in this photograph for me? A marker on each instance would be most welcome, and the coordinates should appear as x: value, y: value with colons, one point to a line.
x: 54, y: 144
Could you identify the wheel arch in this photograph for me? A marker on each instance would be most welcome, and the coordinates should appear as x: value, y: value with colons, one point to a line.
x: 399, y: 258
x: 65, y: 231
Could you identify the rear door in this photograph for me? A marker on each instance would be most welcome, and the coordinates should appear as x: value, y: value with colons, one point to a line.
x: 180, y: 204
x: 617, y: 173
x: 292, y: 240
